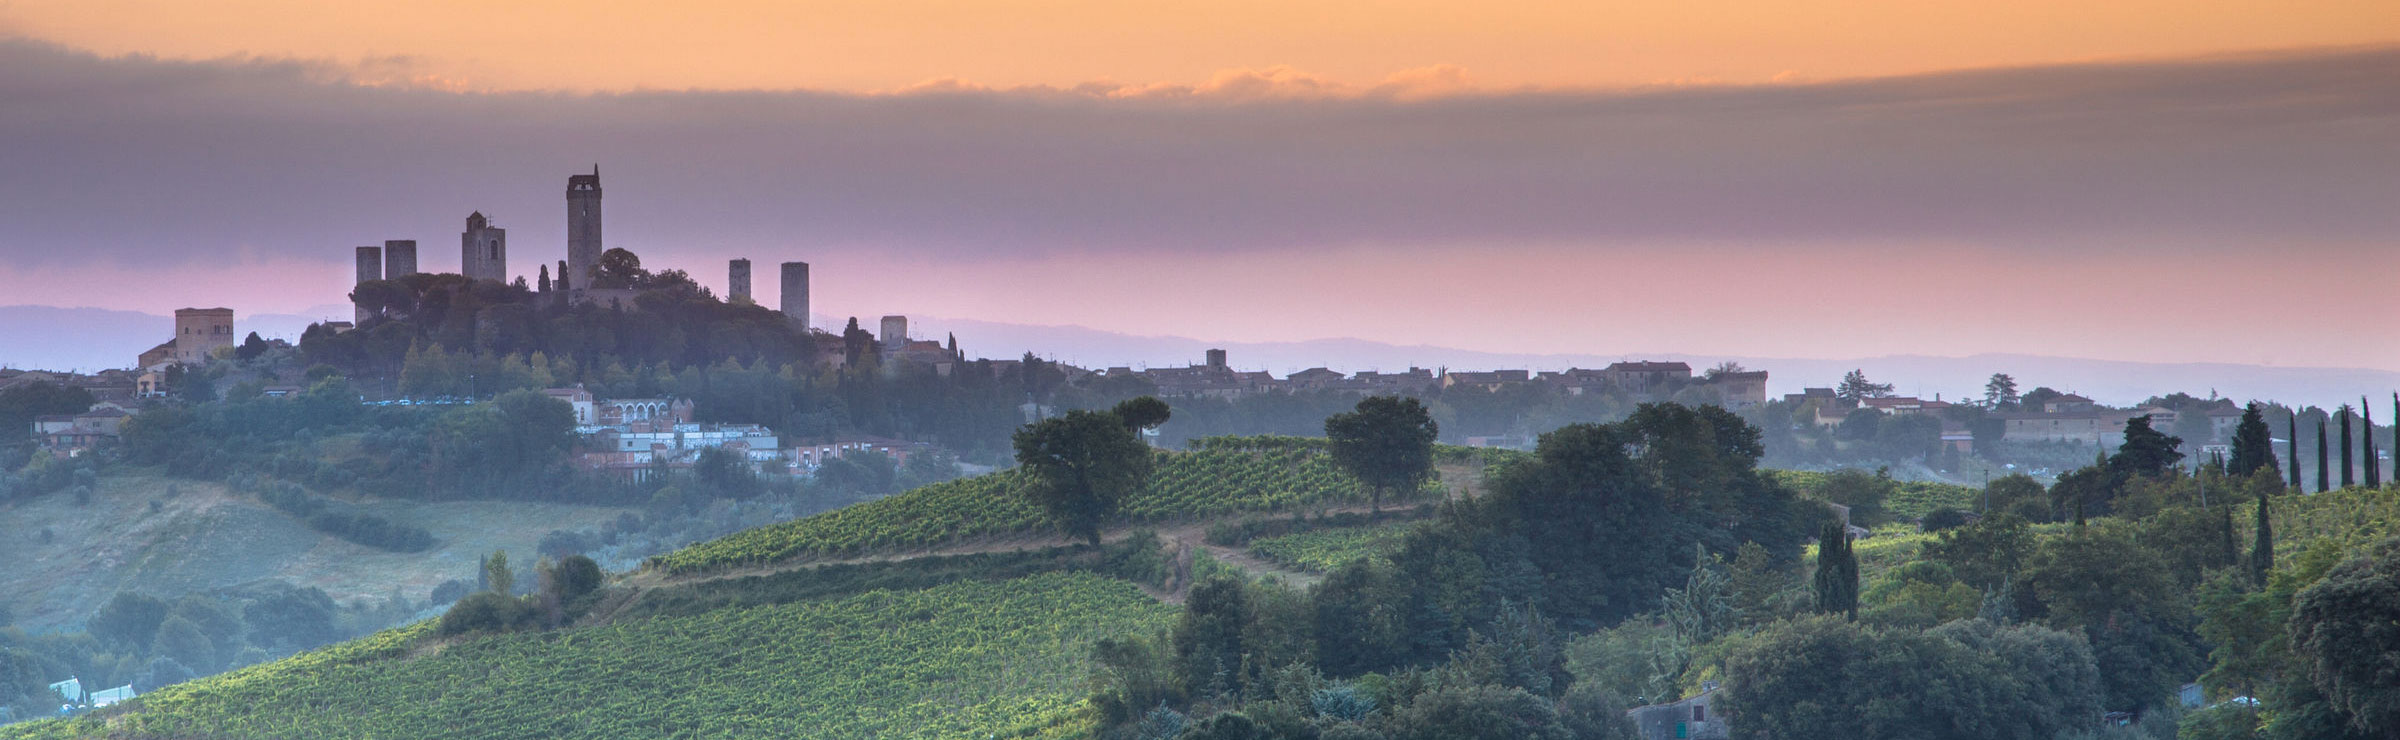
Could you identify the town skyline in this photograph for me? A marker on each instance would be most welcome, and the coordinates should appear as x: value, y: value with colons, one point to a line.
x: 2010, y: 198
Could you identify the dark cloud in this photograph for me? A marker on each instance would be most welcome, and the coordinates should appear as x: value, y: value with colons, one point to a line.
x: 157, y: 162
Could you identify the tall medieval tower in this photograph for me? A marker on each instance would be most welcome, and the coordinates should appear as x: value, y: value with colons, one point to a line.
x: 583, y: 227
x: 483, y: 250
x: 737, y: 281
x: 795, y: 294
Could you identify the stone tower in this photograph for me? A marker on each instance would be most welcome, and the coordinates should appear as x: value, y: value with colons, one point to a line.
x: 399, y: 258
x: 201, y: 331
x: 795, y: 293
x: 483, y: 250
x: 370, y: 269
x: 895, y: 332
x: 737, y: 281
x: 583, y: 228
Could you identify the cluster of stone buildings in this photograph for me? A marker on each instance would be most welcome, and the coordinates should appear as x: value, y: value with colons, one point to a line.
x: 2067, y: 419
x: 200, y: 334
x: 116, y: 396
x: 1637, y: 380
x: 634, y: 438
x: 483, y: 255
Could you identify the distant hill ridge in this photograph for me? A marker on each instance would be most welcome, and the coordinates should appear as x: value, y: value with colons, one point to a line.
x: 50, y: 337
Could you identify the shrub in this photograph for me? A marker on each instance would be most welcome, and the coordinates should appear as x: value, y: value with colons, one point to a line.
x: 575, y: 576
x: 485, y: 611
x: 1342, y: 701
x: 450, y: 591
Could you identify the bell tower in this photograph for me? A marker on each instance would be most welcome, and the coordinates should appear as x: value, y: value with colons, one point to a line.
x: 583, y: 227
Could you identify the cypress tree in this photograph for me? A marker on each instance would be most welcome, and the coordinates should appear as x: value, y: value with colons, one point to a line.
x: 2229, y: 552
x: 2349, y: 473
x: 2253, y: 445
x: 1837, y: 573
x: 2366, y: 444
x: 2292, y: 444
x: 2324, y: 473
x: 2262, y: 552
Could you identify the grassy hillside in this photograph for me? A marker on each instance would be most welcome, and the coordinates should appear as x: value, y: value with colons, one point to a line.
x: 147, y: 533
x: 1223, y: 476
x: 970, y: 659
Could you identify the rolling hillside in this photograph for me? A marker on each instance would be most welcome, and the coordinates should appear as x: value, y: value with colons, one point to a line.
x: 1224, y: 476
x: 964, y: 660
x: 146, y: 533
x: 959, y: 647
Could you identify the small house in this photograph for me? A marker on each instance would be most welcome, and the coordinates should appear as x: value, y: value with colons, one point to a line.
x: 1688, y: 719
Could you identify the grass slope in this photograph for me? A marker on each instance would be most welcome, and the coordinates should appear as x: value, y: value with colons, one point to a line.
x: 1224, y: 476
x: 970, y: 659
x: 203, y: 537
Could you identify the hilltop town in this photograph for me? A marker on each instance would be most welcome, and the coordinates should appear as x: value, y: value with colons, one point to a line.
x: 659, y: 455
x: 393, y: 336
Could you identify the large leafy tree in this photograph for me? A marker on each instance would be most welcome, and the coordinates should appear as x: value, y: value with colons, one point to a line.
x: 619, y: 268
x: 2343, y: 627
x: 2146, y: 452
x: 1825, y: 678
x: 1855, y: 386
x: 2253, y: 445
x: 1386, y: 443
x: 1083, y: 464
x: 2103, y: 581
x: 1606, y: 513
x: 1208, y: 639
x: 2000, y: 393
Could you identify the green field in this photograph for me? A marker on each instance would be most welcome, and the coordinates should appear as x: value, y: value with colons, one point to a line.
x: 2353, y: 518
x: 963, y: 660
x: 1322, y: 550
x: 1223, y: 477
x: 1910, y: 500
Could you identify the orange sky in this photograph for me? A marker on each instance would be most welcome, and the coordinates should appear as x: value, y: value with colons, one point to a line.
x: 872, y: 45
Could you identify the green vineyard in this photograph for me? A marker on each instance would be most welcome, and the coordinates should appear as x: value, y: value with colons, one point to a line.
x: 1910, y: 499
x: 1322, y: 550
x: 1221, y: 476
x: 965, y: 660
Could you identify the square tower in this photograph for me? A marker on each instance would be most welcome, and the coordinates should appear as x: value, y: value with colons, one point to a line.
x: 737, y: 281
x: 583, y: 228
x: 895, y: 332
x: 200, y: 331
x: 399, y: 258
x: 370, y: 269
x: 370, y: 264
x: 483, y: 250
x: 795, y: 294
